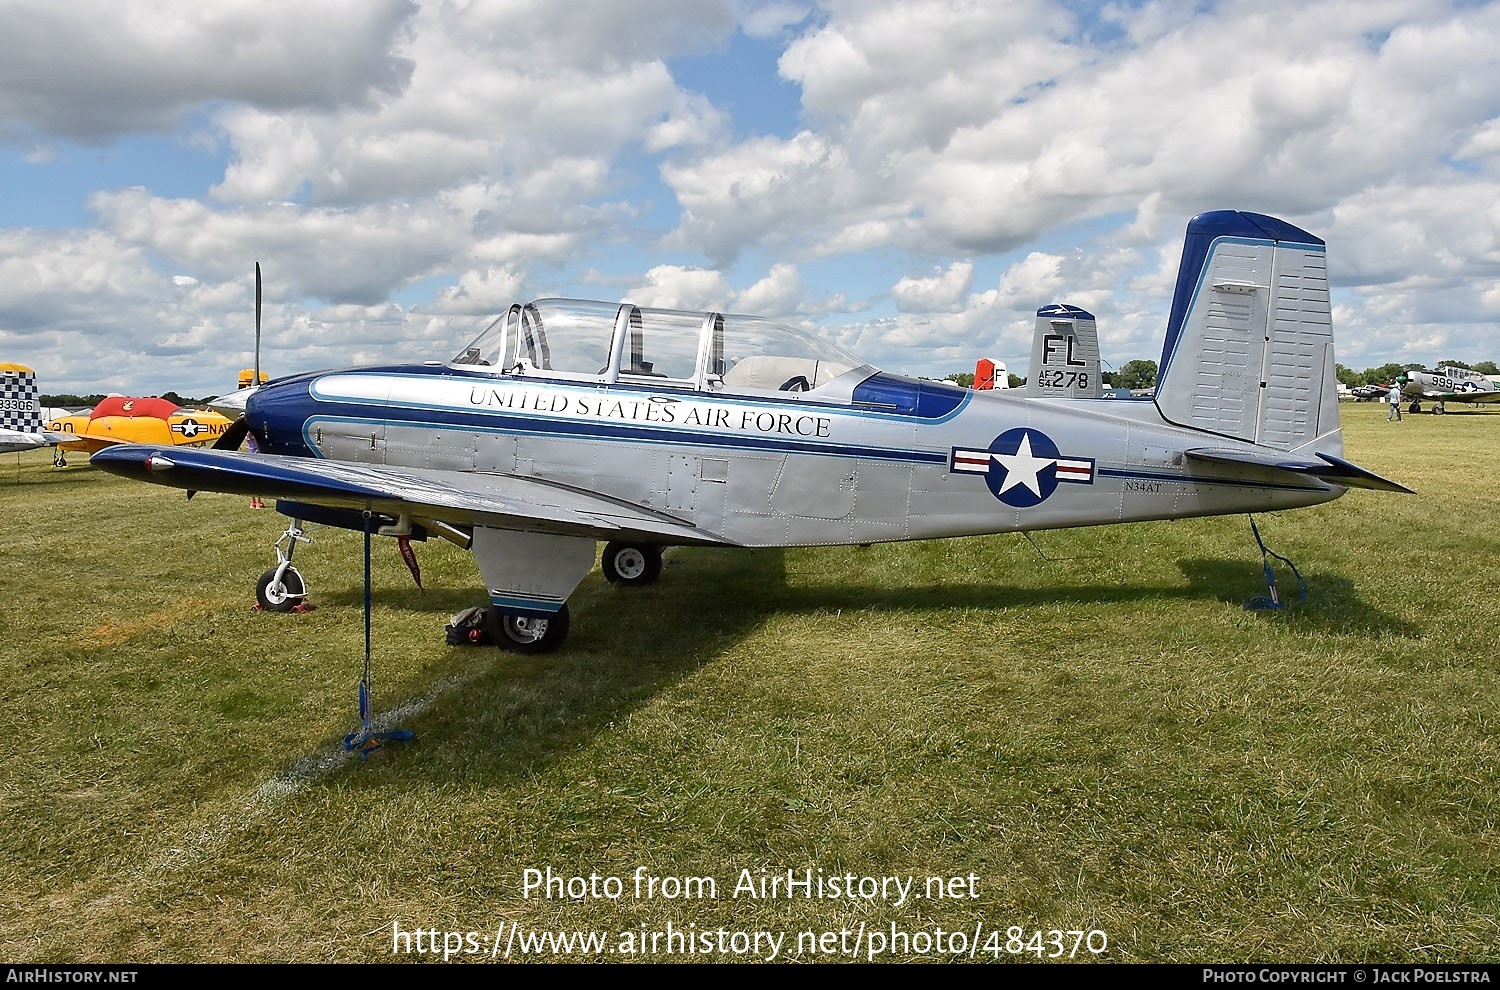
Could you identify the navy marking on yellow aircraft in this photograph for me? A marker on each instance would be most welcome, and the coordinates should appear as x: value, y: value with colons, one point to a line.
x: 569, y: 422
x: 1448, y: 384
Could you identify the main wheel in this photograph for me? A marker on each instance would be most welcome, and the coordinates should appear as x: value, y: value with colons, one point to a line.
x: 280, y: 596
x: 631, y: 563
x: 530, y: 633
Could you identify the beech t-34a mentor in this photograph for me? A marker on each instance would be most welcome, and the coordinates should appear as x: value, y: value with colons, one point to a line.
x: 566, y: 423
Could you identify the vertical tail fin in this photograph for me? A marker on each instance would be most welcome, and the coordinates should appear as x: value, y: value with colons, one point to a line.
x: 1249, y: 348
x: 989, y: 373
x: 20, y: 406
x: 1065, y: 355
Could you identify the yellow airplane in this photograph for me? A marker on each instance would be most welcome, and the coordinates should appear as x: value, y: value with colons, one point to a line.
x: 126, y: 419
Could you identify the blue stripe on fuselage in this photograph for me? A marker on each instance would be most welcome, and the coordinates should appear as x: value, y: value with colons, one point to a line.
x: 513, y: 425
x: 1193, y: 479
x: 314, y: 407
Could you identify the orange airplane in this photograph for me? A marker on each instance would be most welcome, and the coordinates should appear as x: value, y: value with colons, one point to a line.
x: 125, y: 419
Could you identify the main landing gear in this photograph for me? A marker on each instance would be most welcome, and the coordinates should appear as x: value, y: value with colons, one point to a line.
x: 631, y: 563
x: 489, y: 626
x: 281, y: 589
x: 529, y: 633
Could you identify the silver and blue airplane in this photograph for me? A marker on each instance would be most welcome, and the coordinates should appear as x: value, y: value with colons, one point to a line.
x: 566, y: 423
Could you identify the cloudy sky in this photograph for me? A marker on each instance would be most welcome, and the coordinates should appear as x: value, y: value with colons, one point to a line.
x: 912, y: 177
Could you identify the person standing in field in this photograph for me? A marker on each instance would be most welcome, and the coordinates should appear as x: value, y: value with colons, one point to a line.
x: 1394, y: 397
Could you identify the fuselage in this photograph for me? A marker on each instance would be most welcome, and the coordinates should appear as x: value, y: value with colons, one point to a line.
x: 866, y: 457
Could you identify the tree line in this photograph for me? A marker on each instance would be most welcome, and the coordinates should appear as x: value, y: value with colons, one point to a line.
x: 1142, y: 374
x: 68, y: 400
x: 1132, y: 374
x: 1387, y: 373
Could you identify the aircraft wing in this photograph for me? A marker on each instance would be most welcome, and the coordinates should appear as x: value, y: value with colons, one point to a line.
x: 1435, y: 396
x: 11, y: 440
x: 456, y: 497
x: 1323, y: 467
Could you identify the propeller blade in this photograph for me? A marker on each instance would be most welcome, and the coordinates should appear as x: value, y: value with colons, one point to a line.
x: 234, y: 436
x: 256, y: 380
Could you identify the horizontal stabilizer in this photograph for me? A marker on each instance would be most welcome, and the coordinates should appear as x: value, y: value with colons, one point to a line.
x: 1324, y: 467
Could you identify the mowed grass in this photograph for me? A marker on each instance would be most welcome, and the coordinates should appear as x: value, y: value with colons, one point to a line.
x: 1090, y: 724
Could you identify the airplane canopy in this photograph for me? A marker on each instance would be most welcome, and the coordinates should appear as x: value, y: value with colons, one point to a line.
x: 607, y: 342
x: 124, y: 405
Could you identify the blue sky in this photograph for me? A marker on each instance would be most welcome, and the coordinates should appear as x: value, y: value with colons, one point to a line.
x: 912, y: 178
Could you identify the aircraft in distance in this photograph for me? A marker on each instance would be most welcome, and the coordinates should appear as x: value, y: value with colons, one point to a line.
x: 569, y: 422
x: 1448, y: 384
x: 1064, y: 358
x: 21, y: 411
x: 1370, y: 393
x: 989, y: 373
x: 126, y: 419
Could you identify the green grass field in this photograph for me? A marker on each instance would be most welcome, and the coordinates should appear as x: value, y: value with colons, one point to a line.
x: 1090, y: 730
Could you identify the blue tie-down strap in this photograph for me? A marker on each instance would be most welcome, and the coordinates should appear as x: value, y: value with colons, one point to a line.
x: 365, y: 740
x: 1272, y: 600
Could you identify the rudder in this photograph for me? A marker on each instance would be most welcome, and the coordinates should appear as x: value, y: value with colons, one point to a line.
x: 1249, y: 348
x: 20, y: 404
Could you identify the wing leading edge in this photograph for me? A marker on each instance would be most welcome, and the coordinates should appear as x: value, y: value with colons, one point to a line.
x: 460, y: 498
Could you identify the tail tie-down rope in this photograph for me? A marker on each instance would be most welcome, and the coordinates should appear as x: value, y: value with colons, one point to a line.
x: 1272, y: 600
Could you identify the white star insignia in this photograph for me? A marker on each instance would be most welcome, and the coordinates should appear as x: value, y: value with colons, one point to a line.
x: 1022, y: 467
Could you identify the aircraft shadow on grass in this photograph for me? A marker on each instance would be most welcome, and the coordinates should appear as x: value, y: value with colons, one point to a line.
x: 1333, y: 604
x: 516, y: 713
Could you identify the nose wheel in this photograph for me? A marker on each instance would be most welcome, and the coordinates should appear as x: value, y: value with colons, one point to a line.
x: 281, y: 589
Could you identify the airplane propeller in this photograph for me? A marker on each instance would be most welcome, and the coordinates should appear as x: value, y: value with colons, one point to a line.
x: 255, y: 382
x: 234, y: 403
x: 232, y: 437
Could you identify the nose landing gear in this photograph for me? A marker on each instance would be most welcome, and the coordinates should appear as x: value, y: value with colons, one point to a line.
x: 281, y: 589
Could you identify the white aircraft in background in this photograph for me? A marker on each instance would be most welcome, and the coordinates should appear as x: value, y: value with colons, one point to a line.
x: 1448, y: 384
x: 568, y: 422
